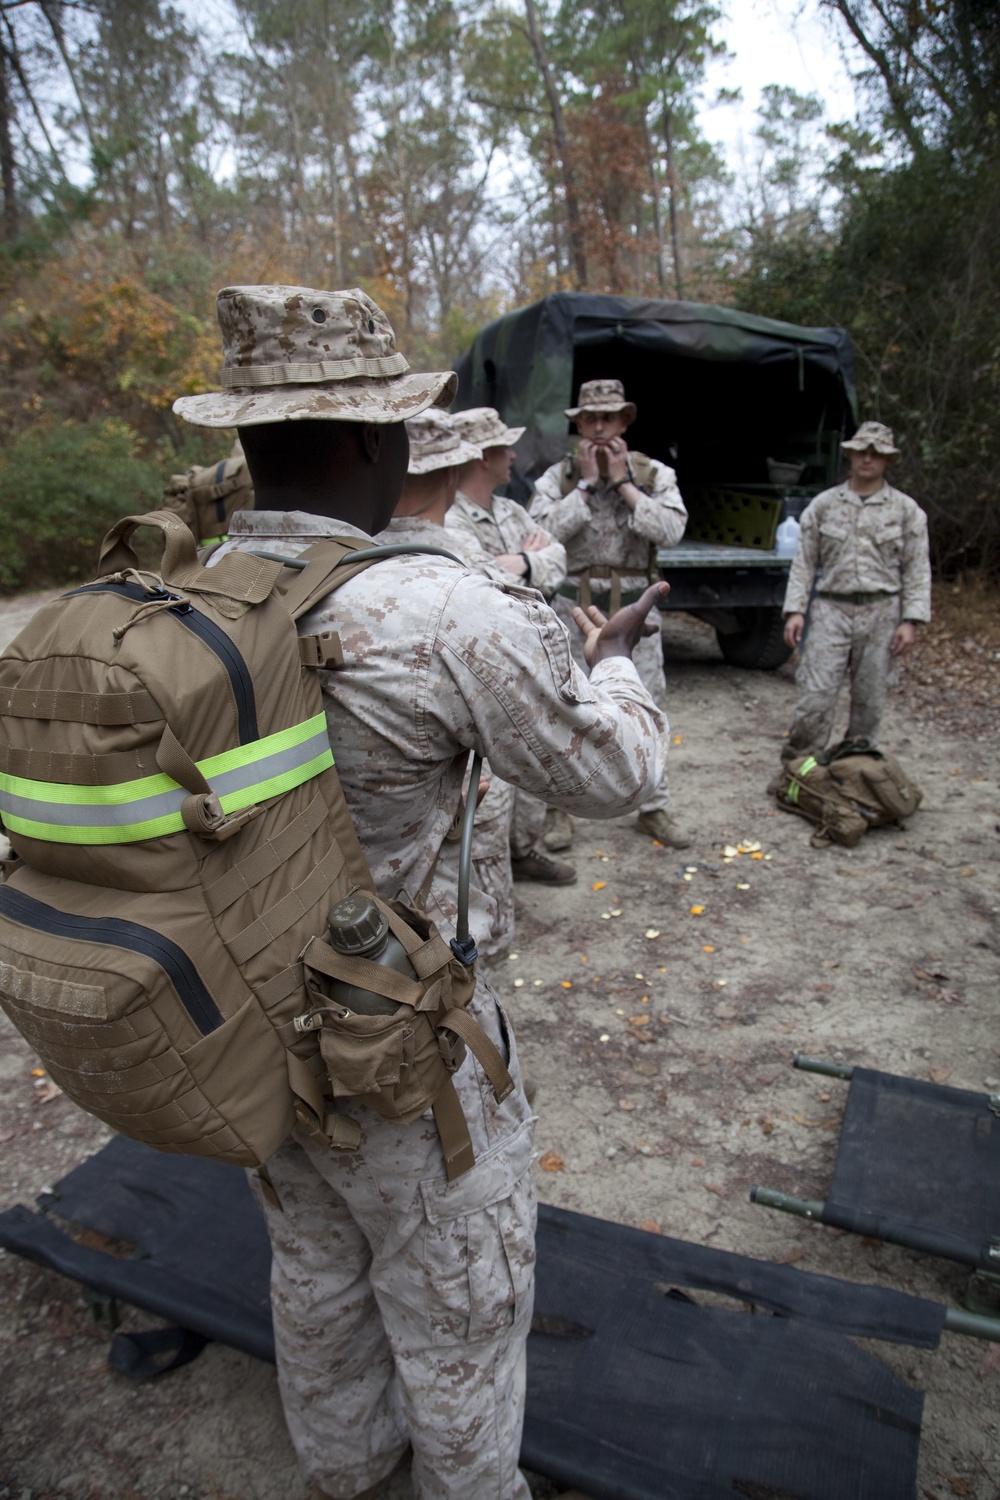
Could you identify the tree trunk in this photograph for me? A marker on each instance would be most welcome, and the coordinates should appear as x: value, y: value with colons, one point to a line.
x: 7, y: 166
x: 578, y: 257
x: 675, y: 243
x: 654, y: 195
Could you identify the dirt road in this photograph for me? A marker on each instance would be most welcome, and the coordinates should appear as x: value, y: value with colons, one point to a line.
x: 663, y: 1064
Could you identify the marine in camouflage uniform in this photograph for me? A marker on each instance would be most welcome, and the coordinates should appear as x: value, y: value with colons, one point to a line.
x: 401, y: 1301
x: 611, y: 508
x: 863, y: 545
x: 437, y: 449
x: 502, y: 530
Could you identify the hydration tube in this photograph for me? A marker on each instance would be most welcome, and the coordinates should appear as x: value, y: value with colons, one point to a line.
x: 366, y: 554
x: 462, y: 944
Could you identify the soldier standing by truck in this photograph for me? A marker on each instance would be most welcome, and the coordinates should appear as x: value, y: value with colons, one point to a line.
x: 863, y: 545
x: 611, y: 508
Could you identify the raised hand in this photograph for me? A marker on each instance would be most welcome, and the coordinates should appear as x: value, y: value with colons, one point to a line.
x: 620, y: 635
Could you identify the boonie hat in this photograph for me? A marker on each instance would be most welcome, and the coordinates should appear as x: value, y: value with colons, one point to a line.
x: 435, y: 443
x: 603, y: 395
x: 292, y: 353
x: 484, y: 426
x: 873, y: 435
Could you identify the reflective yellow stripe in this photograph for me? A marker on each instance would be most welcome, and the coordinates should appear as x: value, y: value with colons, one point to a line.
x: 809, y: 764
x: 149, y: 807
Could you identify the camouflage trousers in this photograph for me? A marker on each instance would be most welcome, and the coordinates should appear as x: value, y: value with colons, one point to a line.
x: 526, y: 824
x: 844, y: 641
x: 402, y: 1302
x: 648, y: 659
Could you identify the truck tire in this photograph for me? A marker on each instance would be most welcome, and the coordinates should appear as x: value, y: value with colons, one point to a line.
x: 759, y: 644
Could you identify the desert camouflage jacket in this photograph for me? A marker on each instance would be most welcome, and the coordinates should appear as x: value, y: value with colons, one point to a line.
x: 438, y: 660
x: 503, y: 528
x: 600, y: 529
x: 854, y: 545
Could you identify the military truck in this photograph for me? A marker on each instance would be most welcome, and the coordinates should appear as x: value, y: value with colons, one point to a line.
x: 749, y: 411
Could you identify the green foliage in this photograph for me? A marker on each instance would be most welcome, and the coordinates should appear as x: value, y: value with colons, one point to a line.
x: 913, y: 275
x: 61, y: 488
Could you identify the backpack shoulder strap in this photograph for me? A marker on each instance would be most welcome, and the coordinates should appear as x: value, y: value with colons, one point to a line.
x: 570, y: 472
x: 643, y: 473
x: 326, y: 565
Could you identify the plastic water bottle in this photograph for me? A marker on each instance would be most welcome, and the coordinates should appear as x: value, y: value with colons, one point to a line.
x: 786, y: 538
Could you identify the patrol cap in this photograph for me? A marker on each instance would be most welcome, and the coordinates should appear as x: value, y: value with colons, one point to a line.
x: 484, y: 426
x: 873, y: 435
x: 292, y: 353
x: 603, y: 395
x: 435, y: 443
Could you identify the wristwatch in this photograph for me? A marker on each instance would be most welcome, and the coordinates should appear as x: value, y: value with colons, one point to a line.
x: 586, y: 485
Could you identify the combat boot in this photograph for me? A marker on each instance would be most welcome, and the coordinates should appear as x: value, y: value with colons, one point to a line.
x: 558, y: 832
x: 540, y: 868
x: 660, y: 825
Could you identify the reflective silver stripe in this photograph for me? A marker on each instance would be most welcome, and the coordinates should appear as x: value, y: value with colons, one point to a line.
x: 162, y: 804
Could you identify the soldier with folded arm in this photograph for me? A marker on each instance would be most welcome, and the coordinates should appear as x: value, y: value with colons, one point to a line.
x: 502, y: 530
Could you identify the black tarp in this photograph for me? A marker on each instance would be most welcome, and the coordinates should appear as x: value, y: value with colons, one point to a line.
x: 719, y: 391
x: 919, y: 1164
x: 634, y: 1392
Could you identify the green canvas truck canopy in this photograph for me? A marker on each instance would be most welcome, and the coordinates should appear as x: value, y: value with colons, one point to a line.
x: 720, y: 392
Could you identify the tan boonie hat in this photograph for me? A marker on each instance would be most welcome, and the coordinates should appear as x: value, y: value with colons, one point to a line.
x: 603, y: 395
x: 484, y: 426
x: 873, y: 435
x: 291, y: 353
x: 435, y: 443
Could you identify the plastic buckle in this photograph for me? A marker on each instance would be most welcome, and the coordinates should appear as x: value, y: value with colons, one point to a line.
x: 233, y: 824
x: 465, y: 951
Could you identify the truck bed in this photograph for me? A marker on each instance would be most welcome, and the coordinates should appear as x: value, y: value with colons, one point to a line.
x: 717, y: 555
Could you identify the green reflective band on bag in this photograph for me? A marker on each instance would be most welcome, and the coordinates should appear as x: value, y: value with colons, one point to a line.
x: 149, y: 808
x: 792, y: 795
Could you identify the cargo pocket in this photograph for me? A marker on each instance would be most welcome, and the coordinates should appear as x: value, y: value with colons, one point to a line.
x: 365, y: 1054
x: 479, y: 1245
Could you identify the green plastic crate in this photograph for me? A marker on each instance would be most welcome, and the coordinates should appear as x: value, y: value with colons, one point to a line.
x: 735, y: 518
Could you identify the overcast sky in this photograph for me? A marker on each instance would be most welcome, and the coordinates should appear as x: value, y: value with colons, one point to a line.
x: 791, y: 42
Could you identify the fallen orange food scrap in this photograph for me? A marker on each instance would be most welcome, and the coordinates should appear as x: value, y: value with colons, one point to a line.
x: 598, y: 885
x: 696, y: 911
x: 551, y: 1162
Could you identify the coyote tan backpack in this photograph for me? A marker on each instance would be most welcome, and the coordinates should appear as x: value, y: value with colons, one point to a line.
x: 848, y: 790
x: 167, y: 784
x: 206, y: 498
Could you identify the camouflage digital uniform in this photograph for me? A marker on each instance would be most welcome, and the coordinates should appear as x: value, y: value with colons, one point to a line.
x: 492, y: 875
x: 401, y: 1302
x: 502, y: 530
x: 600, y: 529
x: 869, y: 559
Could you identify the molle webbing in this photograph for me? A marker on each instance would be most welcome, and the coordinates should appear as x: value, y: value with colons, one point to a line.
x: 150, y: 807
x: 108, y: 709
x: 167, y: 780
